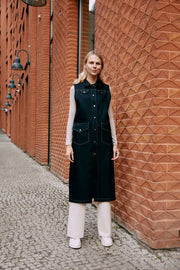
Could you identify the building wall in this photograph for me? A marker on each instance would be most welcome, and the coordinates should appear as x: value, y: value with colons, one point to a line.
x: 3, y: 118
x: 27, y: 120
x: 64, y: 71
x: 42, y: 85
x: 140, y: 43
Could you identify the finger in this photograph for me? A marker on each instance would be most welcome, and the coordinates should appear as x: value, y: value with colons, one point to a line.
x: 72, y: 157
x: 115, y: 156
x: 68, y: 157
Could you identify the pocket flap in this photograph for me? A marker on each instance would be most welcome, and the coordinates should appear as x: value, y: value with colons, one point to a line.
x: 84, y: 91
x: 102, y: 92
x: 80, y: 127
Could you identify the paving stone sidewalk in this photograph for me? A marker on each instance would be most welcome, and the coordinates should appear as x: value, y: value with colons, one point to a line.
x: 33, y: 222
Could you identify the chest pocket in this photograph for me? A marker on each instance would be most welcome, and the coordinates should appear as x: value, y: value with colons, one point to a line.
x: 80, y: 133
x: 106, y: 137
x: 101, y: 92
x: 84, y: 91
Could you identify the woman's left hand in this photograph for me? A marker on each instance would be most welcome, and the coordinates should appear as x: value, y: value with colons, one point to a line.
x: 115, y: 152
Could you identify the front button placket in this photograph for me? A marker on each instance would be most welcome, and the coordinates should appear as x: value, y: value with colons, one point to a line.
x: 94, y: 113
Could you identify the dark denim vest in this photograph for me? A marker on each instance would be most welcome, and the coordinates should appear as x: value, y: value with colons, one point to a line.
x: 92, y: 173
x: 91, y: 122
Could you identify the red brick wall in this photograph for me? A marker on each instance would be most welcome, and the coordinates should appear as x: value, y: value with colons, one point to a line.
x: 0, y: 79
x: 3, y: 115
x: 42, y: 84
x: 32, y: 89
x: 140, y: 43
x: 27, y: 123
x: 166, y: 185
x: 64, y: 68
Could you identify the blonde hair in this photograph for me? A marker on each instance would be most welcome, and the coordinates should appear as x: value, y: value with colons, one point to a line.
x: 83, y: 75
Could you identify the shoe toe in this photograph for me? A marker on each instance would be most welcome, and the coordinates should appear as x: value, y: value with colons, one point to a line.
x: 75, y: 243
x: 106, y: 241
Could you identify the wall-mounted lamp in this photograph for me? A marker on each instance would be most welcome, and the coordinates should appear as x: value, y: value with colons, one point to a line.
x: 17, y: 65
x: 35, y: 3
x: 9, y: 96
x: 7, y: 103
x: 16, y: 90
x: 4, y: 109
x: 12, y: 85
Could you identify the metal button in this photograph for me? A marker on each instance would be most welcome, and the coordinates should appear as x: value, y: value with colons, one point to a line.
x: 94, y: 154
x: 94, y: 106
x: 94, y: 117
x: 93, y: 95
x: 80, y: 129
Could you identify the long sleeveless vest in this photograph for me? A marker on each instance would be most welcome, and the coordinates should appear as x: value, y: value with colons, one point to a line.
x: 92, y: 173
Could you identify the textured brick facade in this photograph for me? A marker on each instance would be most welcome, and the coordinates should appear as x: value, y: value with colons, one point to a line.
x: 64, y: 70
x: 27, y: 119
x: 140, y: 43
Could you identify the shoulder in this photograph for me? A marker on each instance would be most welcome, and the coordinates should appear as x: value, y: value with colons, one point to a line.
x: 106, y: 86
x: 79, y: 85
x: 72, y: 89
x: 103, y: 85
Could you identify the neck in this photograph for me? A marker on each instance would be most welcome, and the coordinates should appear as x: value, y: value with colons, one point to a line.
x: 91, y: 79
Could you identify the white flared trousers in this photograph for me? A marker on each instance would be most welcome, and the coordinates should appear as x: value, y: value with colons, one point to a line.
x: 76, y: 219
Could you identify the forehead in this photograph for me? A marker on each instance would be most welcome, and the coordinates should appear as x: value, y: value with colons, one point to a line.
x: 94, y: 58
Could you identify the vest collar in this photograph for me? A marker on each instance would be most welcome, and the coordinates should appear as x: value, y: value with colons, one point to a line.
x: 98, y: 84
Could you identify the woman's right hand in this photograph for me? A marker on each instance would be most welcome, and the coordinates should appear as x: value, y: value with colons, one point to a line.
x: 70, y: 153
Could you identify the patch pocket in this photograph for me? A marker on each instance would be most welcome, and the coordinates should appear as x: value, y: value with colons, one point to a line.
x: 80, y: 133
x: 106, y: 137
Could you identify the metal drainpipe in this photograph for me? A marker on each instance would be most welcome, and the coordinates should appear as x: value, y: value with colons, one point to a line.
x: 79, y: 35
x: 49, y: 120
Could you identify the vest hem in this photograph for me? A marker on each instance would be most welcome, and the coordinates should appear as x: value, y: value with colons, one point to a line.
x: 95, y: 200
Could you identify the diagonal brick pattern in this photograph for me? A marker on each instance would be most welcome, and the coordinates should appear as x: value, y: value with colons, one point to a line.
x: 166, y: 136
x: 142, y: 65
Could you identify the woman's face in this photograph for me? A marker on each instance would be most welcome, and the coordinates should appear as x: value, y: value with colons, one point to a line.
x: 93, y: 65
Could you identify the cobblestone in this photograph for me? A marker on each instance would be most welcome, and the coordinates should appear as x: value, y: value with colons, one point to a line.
x: 33, y: 214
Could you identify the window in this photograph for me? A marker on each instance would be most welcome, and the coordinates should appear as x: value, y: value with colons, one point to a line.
x: 86, y: 30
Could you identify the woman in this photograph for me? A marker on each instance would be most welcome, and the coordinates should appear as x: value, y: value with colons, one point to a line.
x: 91, y: 149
